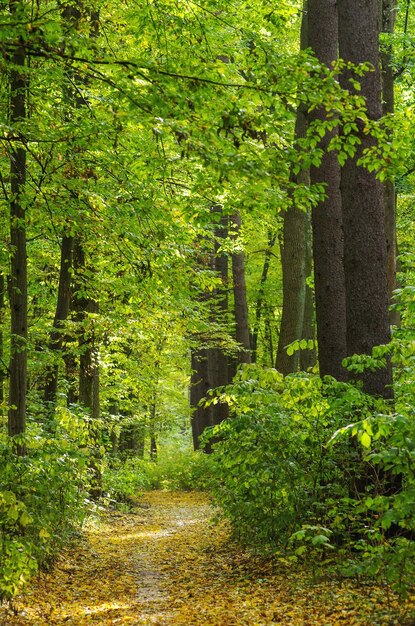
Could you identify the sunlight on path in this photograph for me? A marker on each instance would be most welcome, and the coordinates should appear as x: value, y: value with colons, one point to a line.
x: 167, y: 564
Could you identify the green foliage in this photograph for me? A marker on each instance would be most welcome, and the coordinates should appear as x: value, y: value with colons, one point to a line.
x: 272, y: 467
x: 178, y: 467
x: 310, y: 465
x: 42, y: 499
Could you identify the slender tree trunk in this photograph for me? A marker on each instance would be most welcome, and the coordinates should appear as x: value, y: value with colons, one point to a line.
x: 363, y: 204
x: 199, y: 386
x: 61, y: 314
x: 88, y: 360
x: 2, y: 364
x: 389, y: 8
x: 293, y: 251
x: 210, y: 367
x: 272, y: 237
x: 153, y: 438
x: 293, y: 261
x: 240, y: 298
x: 308, y: 356
x: 327, y: 215
x: 18, y: 271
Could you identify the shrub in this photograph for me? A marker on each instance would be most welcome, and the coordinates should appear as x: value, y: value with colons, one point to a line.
x: 42, y: 498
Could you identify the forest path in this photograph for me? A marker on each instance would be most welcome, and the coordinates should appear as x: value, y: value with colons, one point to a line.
x: 166, y: 563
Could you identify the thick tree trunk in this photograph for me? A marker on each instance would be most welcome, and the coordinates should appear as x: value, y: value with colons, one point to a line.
x: 363, y: 204
x: 327, y: 215
x: 61, y: 314
x: 18, y: 271
x: 272, y: 237
x: 389, y: 8
x: 240, y: 297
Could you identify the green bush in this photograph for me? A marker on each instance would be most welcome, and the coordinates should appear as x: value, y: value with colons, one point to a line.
x: 272, y: 468
x: 309, y: 464
x: 42, y: 498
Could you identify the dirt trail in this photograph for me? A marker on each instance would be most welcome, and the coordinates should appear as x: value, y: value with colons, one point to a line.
x: 166, y: 563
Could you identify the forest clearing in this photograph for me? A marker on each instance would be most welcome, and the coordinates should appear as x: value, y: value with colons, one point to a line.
x: 167, y: 563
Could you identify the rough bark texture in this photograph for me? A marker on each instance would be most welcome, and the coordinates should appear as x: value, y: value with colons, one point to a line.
x: 389, y: 8
x: 240, y: 298
x: 327, y: 215
x: 363, y: 204
x: 61, y: 314
x: 18, y: 269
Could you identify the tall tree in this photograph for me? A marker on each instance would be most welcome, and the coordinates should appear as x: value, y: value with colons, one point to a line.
x: 239, y: 294
x: 294, y: 250
x: 61, y: 314
x: 272, y: 237
x: 3, y: 370
x: 329, y: 283
x: 210, y: 367
x: 363, y: 208
x: 389, y: 9
x: 18, y: 269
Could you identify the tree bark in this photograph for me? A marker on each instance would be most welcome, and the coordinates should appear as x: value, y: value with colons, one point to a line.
x: 240, y: 297
x: 389, y: 8
x: 88, y: 359
x: 210, y: 367
x: 308, y: 356
x: 363, y: 207
x: 293, y: 250
x: 293, y: 261
x: 272, y: 237
x: 18, y: 270
x: 327, y: 215
x: 3, y: 371
x: 61, y: 314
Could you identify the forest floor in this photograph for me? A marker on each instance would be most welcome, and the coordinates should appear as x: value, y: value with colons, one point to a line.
x: 166, y: 562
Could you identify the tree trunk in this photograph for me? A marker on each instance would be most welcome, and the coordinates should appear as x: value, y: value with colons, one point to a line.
x: 153, y: 439
x: 88, y: 359
x: 308, y: 356
x: 293, y: 251
x: 327, y: 215
x: 18, y: 271
x: 363, y: 204
x: 389, y: 8
x: 240, y: 298
x: 210, y: 367
x: 293, y: 261
x: 61, y: 314
x: 199, y: 386
x: 272, y: 236
x: 3, y: 371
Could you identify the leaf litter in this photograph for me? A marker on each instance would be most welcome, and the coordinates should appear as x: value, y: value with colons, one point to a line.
x: 167, y: 563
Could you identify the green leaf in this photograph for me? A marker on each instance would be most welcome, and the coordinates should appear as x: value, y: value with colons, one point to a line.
x: 366, y: 440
